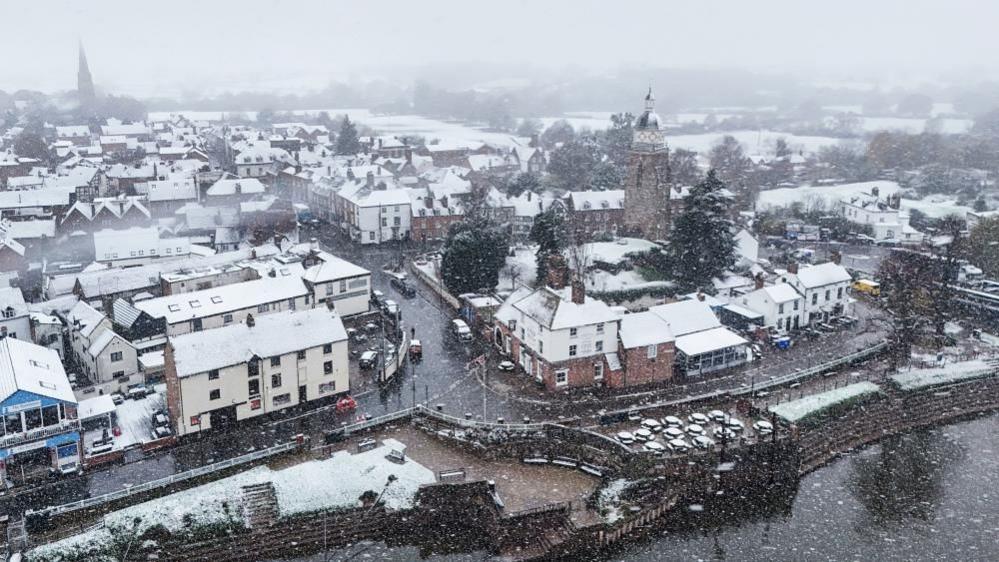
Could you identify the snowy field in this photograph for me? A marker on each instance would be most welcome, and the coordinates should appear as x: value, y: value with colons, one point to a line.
x: 355, y: 113
x: 523, y: 262
x: 797, y: 410
x: 755, y: 143
x: 934, y: 206
x: 337, y: 482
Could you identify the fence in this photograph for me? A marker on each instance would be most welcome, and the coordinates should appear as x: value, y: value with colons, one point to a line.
x: 816, y: 370
x: 163, y: 482
x: 436, y: 286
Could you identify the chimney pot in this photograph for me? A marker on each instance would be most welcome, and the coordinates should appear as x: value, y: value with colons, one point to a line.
x: 558, y: 272
x: 792, y: 267
x: 758, y: 279
x: 578, y: 291
x: 700, y: 296
x: 250, y: 322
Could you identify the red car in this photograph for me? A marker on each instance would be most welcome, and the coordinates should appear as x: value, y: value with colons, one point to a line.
x: 345, y: 404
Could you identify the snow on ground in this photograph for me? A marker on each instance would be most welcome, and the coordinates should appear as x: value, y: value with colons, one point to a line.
x: 609, y: 500
x: 615, y: 252
x: 952, y: 373
x: 934, y: 206
x: 340, y: 480
x: 135, y: 418
x: 523, y: 261
x: 756, y: 143
x: 602, y: 281
x: 337, y: 482
x: 797, y: 410
x: 431, y: 129
x: 354, y: 112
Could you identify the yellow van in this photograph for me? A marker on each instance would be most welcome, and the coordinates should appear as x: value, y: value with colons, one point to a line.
x: 872, y: 288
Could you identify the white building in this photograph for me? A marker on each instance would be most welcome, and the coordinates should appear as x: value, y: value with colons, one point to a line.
x: 137, y: 246
x: 370, y: 215
x: 259, y: 161
x: 782, y: 307
x: 825, y: 288
x: 330, y: 278
x: 250, y: 368
x: 108, y: 360
x: 230, y: 304
x: 884, y: 216
x: 14, y: 318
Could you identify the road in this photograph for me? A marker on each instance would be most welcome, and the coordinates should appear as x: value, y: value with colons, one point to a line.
x: 440, y: 378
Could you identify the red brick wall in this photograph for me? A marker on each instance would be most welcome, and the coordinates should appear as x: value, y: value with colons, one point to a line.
x: 173, y: 386
x: 638, y: 369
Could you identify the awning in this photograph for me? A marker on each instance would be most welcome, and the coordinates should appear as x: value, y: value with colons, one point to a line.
x: 64, y: 439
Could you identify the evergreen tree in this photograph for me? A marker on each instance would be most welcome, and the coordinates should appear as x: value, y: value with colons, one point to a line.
x: 347, y: 141
x: 474, y: 252
x: 983, y: 246
x: 522, y: 182
x: 550, y: 234
x: 702, y: 244
x: 573, y: 163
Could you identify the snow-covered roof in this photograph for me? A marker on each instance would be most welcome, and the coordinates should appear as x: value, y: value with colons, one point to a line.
x: 227, y: 298
x: 45, y: 197
x: 172, y: 189
x: 32, y: 368
x: 137, y: 242
x: 555, y: 310
x: 802, y: 408
x: 13, y: 298
x: 686, y: 317
x: 597, y: 200
x: 30, y: 229
x: 88, y: 316
x: 95, y: 406
x: 781, y: 292
x: 708, y: 341
x: 332, y: 268
x: 643, y: 328
x: 102, y: 341
x: 273, y: 334
x: 822, y: 274
x: 233, y: 186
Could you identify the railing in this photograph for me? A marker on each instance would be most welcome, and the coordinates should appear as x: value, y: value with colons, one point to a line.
x: 373, y: 422
x: 564, y: 507
x: 40, y: 433
x: 816, y: 370
x: 163, y: 482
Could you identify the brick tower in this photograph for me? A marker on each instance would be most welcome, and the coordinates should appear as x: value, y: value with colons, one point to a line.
x: 646, y: 189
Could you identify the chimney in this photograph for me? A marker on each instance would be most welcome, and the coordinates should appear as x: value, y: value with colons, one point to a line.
x: 558, y: 272
x: 330, y: 305
x: 700, y: 295
x: 758, y: 279
x: 792, y: 267
x: 313, y: 244
x: 370, y: 179
x: 874, y: 191
x: 578, y: 291
x: 250, y: 322
x: 528, y: 196
x: 409, y: 155
x: 836, y: 257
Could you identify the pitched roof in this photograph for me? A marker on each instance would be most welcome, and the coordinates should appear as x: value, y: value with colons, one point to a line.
x: 233, y: 186
x: 273, y: 334
x: 554, y: 309
x: 642, y: 329
x: 88, y: 316
x: 823, y: 274
x: 32, y: 368
x: 687, y: 317
x: 227, y: 298
x: 781, y: 292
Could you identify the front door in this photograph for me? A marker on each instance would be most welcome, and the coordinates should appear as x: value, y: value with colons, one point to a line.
x: 301, y: 394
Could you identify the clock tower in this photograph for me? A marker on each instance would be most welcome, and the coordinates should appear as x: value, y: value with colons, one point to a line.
x: 646, y: 191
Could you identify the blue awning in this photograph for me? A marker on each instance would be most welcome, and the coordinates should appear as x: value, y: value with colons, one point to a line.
x: 64, y: 439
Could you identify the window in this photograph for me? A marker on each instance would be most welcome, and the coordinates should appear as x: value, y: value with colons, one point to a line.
x: 282, y: 399
x: 780, y: 308
x: 827, y: 294
x: 562, y: 377
x: 780, y: 323
x: 395, y: 221
x: 173, y: 307
x: 291, y: 304
x: 598, y: 371
x: 216, y: 300
x: 384, y: 221
x: 300, y: 355
x: 600, y: 328
x: 839, y: 293
x: 227, y: 318
x: 599, y: 346
x: 213, y: 374
x: 573, y: 332
x: 253, y: 368
x: 541, y: 346
x: 328, y: 368
x: 572, y: 351
x: 327, y: 387
x: 796, y: 304
x: 118, y: 374
x: 371, y: 236
x: 276, y: 361
x: 215, y: 394
x: 115, y: 356
x: 276, y: 380
x: 343, y: 285
x: 262, y: 307
x: 327, y: 349
x: 815, y: 298
x: 652, y: 351
x: 50, y: 415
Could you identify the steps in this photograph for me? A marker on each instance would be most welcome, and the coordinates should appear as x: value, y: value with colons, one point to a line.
x: 260, y: 505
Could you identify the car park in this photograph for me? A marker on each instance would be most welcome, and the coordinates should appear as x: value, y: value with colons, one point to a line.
x: 673, y: 432
x: 652, y: 425
x: 717, y: 415
x: 672, y: 421
x: 763, y: 427
x: 678, y: 445
x: 703, y: 442
x: 643, y: 435
x: 698, y: 418
x: 695, y: 429
x: 654, y: 447
x: 368, y: 359
x: 161, y: 431
x: 136, y: 392
x: 734, y: 424
x: 625, y: 437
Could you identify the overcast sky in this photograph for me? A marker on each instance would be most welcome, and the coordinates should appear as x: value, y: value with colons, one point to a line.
x: 144, y: 47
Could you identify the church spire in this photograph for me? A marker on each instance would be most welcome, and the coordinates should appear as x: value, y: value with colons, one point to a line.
x: 650, y: 100
x: 84, y: 81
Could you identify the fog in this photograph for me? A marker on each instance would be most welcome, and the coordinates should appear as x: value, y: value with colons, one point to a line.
x: 163, y: 49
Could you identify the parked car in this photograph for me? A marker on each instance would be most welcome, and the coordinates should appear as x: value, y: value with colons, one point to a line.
x: 415, y: 350
x: 698, y: 418
x: 703, y: 442
x: 506, y: 365
x: 724, y: 434
x: 695, y: 429
x: 371, y: 327
x: 673, y: 432
x: 117, y: 398
x: 763, y: 427
x: 391, y: 309
x: 654, y: 447
x: 717, y: 415
x: 461, y: 330
x: 652, y: 425
x: 377, y: 297
x: 643, y: 435
x: 734, y: 424
x: 137, y: 392
x: 672, y: 421
x: 678, y: 445
x: 368, y: 359
x: 404, y: 288
x: 625, y: 437
x: 162, y: 431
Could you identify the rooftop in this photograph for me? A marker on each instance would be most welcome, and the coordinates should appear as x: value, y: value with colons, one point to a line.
x: 32, y: 368
x: 227, y: 298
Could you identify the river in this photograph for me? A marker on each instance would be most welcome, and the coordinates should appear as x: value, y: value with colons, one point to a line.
x: 928, y: 495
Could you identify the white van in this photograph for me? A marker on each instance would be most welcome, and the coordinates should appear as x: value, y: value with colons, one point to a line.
x: 461, y: 330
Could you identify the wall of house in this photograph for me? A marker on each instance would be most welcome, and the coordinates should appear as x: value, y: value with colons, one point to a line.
x: 18, y: 327
x: 638, y: 369
x: 218, y: 279
x: 349, y: 296
x: 758, y: 302
x: 106, y: 368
